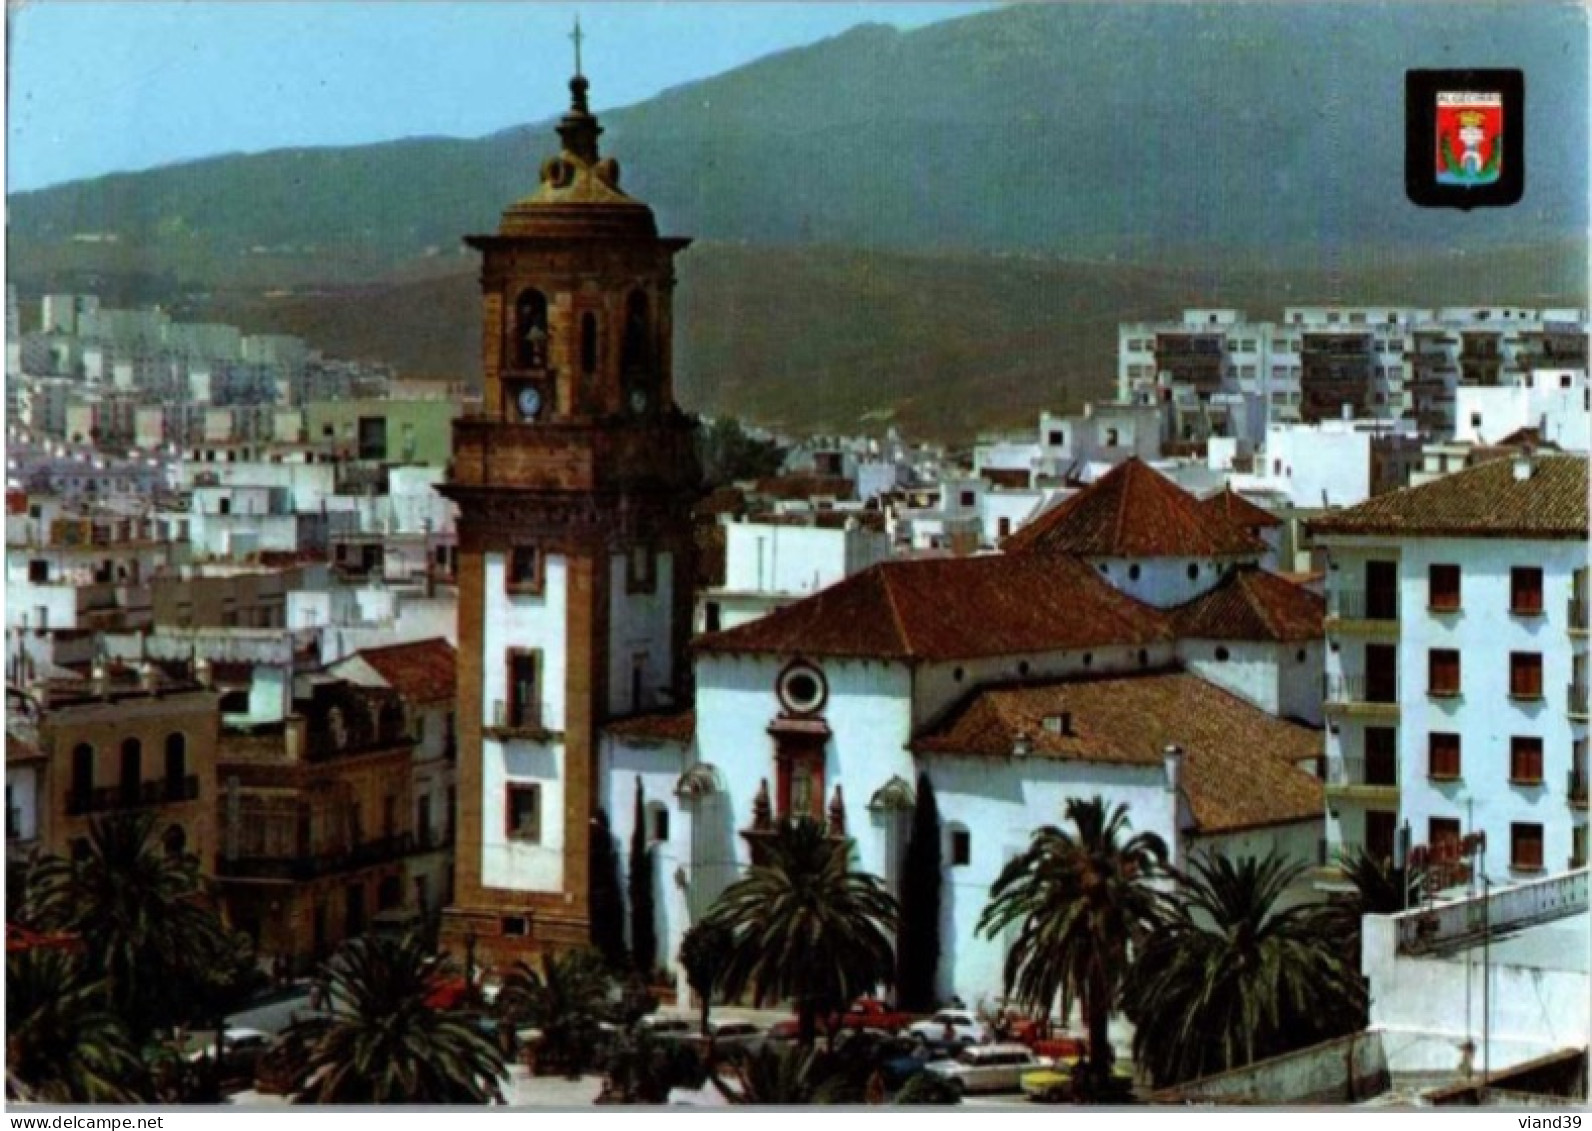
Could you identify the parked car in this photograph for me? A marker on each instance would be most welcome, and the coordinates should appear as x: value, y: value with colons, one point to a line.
x: 951, y: 1024
x: 988, y: 1068
x: 909, y: 1056
x: 1054, y: 1085
x: 871, y: 1013
x: 241, y: 1050
x: 725, y: 1037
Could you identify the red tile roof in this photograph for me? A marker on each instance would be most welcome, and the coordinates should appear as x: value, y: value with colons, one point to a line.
x: 795, y: 487
x: 1483, y: 501
x: 678, y: 727
x: 1240, y: 764
x: 1239, y: 511
x: 424, y: 672
x: 952, y: 608
x: 1251, y: 604
x: 1133, y: 511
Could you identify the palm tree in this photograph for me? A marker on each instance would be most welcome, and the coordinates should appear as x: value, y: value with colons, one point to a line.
x: 381, y: 1042
x: 144, y: 918
x: 1078, y: 903
x: 804, y: 926
x: 62, y: 1044
x: 1229, y: 978
x: 566, y: 1000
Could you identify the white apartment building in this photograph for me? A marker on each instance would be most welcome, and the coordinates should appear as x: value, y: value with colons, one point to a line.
x: 1457, y: 675
x: 1382, y: 362
x: 769, y: 564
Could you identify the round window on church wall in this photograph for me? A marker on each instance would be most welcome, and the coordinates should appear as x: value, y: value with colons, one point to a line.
x: 802, y: 689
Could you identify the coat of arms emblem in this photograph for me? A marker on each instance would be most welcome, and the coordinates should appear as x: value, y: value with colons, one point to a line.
x: 1470, y: 144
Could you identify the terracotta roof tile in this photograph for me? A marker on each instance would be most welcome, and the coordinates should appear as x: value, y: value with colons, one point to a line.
x: 792, y: 487
x: 1133, y: 511
x: 1484, y: 501
x: 1240, y: 764
x: 1239, y: 511
x: 422, y: 672
x: 673, y: 726
x: 1251, y: 604
x: 952, y: 608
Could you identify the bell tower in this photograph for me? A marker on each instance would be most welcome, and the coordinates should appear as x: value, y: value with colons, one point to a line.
x: 576, y: 563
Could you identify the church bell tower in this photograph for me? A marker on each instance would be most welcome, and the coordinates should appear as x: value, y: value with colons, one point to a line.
x: 574, y: 486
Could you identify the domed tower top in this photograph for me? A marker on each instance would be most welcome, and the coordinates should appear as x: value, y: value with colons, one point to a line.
x: 579, y: 194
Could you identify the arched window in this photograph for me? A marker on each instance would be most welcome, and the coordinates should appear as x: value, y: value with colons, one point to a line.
x: 176, y: 763
x: 530, y: 329
x: 132, y: 768
x: 82, y: 770
x: 588, y: 344
x: 636, y: 355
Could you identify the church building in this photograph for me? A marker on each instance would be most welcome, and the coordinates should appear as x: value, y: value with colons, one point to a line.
x: 1125, y: 644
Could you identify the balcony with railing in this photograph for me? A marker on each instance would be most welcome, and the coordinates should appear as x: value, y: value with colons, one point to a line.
x: 1362, y: 612
x: 1374, y: 696
x: 1579, y: 619
x: 1577, y: 695
x: 1365, y: 779
x: 513, y: 719
x: 1576, y: 787
x: 366, y: 854
x: 132, y: 795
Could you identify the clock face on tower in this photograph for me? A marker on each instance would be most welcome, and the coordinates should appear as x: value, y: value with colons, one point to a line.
x: 639, y: 401
x: 529, y: 402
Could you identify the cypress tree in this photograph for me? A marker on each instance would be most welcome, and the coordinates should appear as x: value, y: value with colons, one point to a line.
x: 643, y: 933
x: 918, y: 943
x: 605, y: 895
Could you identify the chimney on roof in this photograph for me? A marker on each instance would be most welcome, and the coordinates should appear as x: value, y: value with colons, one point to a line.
x: 1173, y: 756
x: 1060, y: 723
x: 1524, y: 464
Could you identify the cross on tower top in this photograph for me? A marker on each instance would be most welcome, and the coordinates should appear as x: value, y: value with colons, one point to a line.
x: 577, y: 36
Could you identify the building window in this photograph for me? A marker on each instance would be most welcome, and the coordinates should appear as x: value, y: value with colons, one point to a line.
x: 1442, y: 756
x: 1443, y: 672
x: 1222, y: 654
x: 641, y: 574
x: 176, y: 764
x: 1525, y: 675
x: 713, y: 617
x: 1525, y: 848
x: 38, y: 571
x: 961, y: 847
x: 1382, y: 756
x: 530, y: 330
x: 1443, y: 836
x: 1133, y: 572
x: 515, y: 926
x: 1525, y: 591
x: 1193, y: 571
x: 635, y: 354
x: 588, y: 344
x: 132, y: 768
x: 1443, y: 581
x: 1525, y: 760
x: 1578, y: 846
x: 525, y: 570
x: 1057, y: 439
x: 657, y: 821
x: 524, y: 708
x: 524, y: 812
x: 82, y: 770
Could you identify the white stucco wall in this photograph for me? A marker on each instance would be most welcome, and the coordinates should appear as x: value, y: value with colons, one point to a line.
x: 514, y: 620
x: 868, y: 711
x: 639, y: 627
x: 658, y: 766
x: 1163, y: 582
x: 1000, y: 804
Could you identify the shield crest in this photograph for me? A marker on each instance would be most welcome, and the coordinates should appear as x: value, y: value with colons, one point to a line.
x: 1469, y: 138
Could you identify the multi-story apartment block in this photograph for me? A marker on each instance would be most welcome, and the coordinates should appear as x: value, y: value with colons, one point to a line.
x: 1325, y: 362
x: 1457, y: 665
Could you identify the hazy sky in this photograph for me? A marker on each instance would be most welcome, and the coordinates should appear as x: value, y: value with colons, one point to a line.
x: 102, y: 87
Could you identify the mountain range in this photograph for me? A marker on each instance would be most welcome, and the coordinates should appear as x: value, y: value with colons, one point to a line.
x: 940, y: 227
